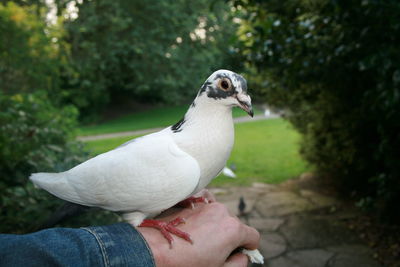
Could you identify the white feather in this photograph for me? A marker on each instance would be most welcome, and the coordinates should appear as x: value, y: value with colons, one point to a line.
x: 254, y: 255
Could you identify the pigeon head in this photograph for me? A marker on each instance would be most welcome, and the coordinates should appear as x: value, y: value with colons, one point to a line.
x: 228, y: 88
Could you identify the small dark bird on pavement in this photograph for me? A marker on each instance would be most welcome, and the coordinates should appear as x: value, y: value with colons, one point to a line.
x: 241, y: 206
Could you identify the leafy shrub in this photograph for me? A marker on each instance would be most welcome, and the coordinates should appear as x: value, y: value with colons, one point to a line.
x: 34, y: 136
x: 334, y: 66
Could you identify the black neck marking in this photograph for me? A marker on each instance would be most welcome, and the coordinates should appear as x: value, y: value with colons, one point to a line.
x: 177, y: 127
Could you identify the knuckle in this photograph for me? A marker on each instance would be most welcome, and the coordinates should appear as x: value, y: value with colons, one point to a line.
x: 258, y: 235
x: 233, y: 224
x: 255, y: 236
x: 219, y: 207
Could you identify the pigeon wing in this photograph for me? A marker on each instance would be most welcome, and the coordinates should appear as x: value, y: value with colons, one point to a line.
x: 149, y: 174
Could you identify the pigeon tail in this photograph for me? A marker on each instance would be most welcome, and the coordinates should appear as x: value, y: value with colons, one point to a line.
x: 45, y: 179
x: 55, y: 183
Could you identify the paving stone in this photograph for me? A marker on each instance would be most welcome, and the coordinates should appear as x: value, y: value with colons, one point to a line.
x: 272, y: 245
x: 218, y: 191
x: 280, y: 262
x: 235, y: 193
x: 318, y: 199
x: 311, y: 257
x: 256, y: 214
x: 305, y: 231
x: 306, y: 176
x: 347, y: 260
x: 346, y: 215
x: 265, y: 187
x: 232, y: 205
x: 266, y: 224
x: 302, y: 258
x: 352, y: 256
x: 276, y: 204
x: 358, y: 250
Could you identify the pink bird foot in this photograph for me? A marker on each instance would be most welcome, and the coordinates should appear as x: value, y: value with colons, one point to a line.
x: 168, y: 228
x: 189, y: 202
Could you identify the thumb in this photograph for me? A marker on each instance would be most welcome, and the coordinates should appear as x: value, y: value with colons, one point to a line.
x: 237, y: 260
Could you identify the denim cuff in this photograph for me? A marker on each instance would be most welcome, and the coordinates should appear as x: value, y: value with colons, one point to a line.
x: 122, y: 245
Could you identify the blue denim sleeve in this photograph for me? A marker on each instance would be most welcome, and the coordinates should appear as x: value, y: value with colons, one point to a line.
x: 113, y: 245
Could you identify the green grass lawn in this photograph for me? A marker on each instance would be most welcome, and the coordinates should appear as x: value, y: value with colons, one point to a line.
x: 157, y: 117
x: 264, y: 151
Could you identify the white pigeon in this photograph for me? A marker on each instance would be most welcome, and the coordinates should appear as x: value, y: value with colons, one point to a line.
x: 149, y: 174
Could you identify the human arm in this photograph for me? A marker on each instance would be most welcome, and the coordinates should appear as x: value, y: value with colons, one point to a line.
x: 216, y: 234
x: 113, y: 245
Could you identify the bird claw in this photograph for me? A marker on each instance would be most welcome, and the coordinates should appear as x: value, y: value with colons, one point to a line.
x: 177, y: 221
x: 168, y: 228
x: 190, y: 201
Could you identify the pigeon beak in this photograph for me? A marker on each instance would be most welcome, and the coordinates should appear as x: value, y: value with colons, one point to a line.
x: 245, y: 103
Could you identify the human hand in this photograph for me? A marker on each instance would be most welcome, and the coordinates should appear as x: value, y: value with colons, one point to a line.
x: 215, y: 233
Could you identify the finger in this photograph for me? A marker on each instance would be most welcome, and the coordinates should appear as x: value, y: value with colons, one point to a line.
x: 237, y: 260
x: 250, y: 238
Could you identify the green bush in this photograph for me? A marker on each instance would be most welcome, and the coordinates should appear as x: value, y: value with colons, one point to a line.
x: 34, y: 136
x: 334, y: 67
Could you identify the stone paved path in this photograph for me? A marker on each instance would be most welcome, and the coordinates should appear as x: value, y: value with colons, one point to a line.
x: 298, y: 226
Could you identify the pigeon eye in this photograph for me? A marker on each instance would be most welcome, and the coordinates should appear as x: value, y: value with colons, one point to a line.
x: 224, y: 84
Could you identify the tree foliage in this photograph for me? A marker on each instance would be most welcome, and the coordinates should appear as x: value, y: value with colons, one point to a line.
x: 334, y: 66
x: 28, y: 56
x: 150, y: 51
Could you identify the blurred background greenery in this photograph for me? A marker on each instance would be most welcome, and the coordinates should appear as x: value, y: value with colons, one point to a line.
x: 88, y: 67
